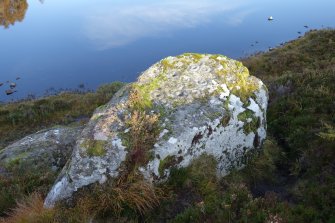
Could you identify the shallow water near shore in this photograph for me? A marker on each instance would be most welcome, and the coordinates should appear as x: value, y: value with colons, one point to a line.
x: 62, y: 44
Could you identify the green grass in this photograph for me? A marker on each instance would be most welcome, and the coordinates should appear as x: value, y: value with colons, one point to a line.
x: 22, y: 183
x: 299, y: 118
x: 314, y: 51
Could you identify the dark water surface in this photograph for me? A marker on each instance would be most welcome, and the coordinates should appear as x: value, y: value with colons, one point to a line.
x: 62, y: 43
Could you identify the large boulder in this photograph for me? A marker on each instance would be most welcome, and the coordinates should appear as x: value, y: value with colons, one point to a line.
x: 45, y: 151
x: 189, y: 105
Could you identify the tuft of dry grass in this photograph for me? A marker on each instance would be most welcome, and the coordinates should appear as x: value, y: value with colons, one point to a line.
x: 30, y: 210
x: 142, y: 136
x: 143, y: 132
x: 130, y: 193
x: 140, y: 196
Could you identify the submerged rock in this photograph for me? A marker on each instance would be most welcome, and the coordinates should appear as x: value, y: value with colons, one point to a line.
x: 204, y: 104
x: 47, y: 150
x: 10, y: 91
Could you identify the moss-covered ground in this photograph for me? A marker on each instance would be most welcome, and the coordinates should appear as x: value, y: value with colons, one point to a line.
x: 292, y: 179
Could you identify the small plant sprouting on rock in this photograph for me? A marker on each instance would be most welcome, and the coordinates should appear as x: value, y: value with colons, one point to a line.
x: 167, y: 163
x: 251, y: 122
x: 143, y: 131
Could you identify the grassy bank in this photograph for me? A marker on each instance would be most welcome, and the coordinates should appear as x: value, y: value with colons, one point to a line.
x: 291, y: 180
x: 19, y: 119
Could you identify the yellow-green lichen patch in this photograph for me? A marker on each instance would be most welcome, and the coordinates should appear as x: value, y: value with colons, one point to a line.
x: 251, y: 122
x: 244, y: 86
x: 144, y: 91
x: 196, y: 57
x: 16, y: 161
x: 241, y: 83
x: 94, y: 147
x: 166, y: 64
x: 198, y: 76
x: 96, y: 116
x: 215, y: 57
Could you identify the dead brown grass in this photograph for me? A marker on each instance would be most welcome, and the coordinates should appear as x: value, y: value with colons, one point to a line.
x: 130, y: 192
x: 141, y: 137
x: 143, y: 132
x: 30, y: 210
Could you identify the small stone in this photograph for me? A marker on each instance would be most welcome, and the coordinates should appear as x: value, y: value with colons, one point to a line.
x: 103, y: 179
x: 163, y: 133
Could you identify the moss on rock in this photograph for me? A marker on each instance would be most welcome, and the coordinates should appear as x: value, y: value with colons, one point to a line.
x: 251, y: 122
x: 165, y: 164
x: 94, y: 147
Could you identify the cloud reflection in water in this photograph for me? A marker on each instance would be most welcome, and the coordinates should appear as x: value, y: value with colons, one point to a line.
x: 123, y: 24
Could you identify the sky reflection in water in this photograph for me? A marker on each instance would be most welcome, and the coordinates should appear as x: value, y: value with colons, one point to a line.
x: 64, y: 43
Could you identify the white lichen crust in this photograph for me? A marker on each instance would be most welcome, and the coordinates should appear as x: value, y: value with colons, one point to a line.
x: 207, y: 104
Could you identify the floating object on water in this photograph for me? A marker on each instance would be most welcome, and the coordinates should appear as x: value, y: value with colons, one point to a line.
x: 1, y: 84
x: 12, y: 85
x: 299, y: 32
x: 18, y: 78
x: 256, y: 42
x: 9, y: 92
x: 252, y: 44
x: 306, y: 27
x: 270, y: 18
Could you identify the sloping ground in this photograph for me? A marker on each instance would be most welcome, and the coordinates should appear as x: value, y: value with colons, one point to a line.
x: 25, y: 117
x: 314, y: 51
x: 292, y: 180
x: 301, y: 117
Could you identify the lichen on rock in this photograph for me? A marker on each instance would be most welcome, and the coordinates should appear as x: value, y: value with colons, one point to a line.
x: 196, y: 104
x: 45, y: 151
